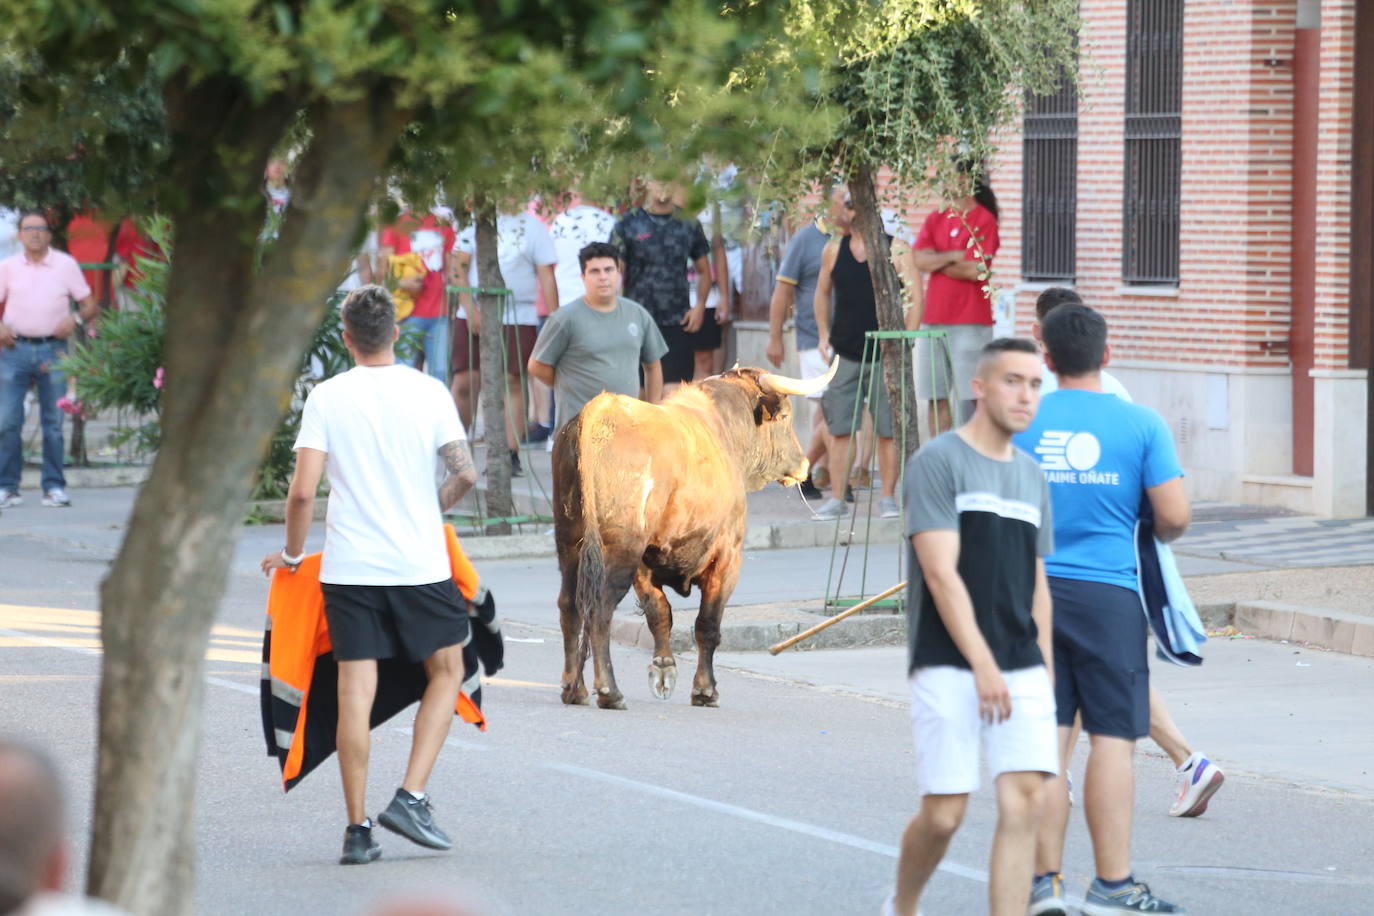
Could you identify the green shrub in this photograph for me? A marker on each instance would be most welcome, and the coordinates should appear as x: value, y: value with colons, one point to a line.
x: 121, y: 366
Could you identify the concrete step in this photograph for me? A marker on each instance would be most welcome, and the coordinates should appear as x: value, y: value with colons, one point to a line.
x: 755, y: 628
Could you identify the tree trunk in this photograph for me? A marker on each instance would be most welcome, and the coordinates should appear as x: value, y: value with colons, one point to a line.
x: 491, y: 340
x: 887, y: 294
x: 233, y: 347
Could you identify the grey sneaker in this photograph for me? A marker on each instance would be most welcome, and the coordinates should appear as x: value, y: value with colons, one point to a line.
x: 10, y: 498
x: 414, y: 819
x: 1133, y: 898
x: 830, y: 510
x: 887, y: 507
x: 1047, y: 896
x: 359, y: 847
x: 57, y: 498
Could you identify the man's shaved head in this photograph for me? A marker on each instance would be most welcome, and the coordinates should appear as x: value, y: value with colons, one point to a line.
x: 30, y: 823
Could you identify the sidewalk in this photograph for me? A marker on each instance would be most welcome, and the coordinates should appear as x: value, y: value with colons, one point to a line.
x: 1274, y: 710
x: 1247, y: 568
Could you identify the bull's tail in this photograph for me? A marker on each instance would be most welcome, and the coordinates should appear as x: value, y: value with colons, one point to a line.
x: 591, y: 577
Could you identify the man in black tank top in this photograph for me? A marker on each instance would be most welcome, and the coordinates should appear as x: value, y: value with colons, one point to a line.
x: 845, y: 311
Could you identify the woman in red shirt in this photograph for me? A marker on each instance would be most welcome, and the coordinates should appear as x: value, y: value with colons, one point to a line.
x: 957, y: 301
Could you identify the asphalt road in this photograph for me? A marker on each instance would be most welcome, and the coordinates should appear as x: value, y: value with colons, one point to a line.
x: 789, y: 799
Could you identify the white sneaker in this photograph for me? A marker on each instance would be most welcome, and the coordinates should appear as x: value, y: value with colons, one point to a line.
x: 887, y: 508
x: 9, y: 498
x: 890, y: 906
x: 830, y: 510
x: 1198, y: 781
x: 57, y: 498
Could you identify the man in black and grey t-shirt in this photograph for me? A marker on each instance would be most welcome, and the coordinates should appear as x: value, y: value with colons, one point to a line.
x: 978, y: 516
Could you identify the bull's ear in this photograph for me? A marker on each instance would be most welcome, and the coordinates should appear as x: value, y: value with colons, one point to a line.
x: 767, y: 408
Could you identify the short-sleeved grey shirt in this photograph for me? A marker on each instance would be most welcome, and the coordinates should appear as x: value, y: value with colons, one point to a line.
x: 801, y: 266
x: 1001, y: 510
x: 594, y: 351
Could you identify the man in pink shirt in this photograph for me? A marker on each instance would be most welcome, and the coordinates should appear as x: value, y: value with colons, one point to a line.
x: 37, y: 287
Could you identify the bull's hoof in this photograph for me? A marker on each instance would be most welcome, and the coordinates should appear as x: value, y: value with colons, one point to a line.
x: 662, y: 677
x: 575, y: 696
x: 707, y: 697
x: 609, y: 699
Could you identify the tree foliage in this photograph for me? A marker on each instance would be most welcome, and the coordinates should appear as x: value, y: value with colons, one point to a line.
x: 69, y: 143
x: 489, y: 99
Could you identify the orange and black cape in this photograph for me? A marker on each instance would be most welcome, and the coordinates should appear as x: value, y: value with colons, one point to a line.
x: 299, y: 689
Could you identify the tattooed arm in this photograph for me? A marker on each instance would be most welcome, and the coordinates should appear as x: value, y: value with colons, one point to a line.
x: 462, y: 475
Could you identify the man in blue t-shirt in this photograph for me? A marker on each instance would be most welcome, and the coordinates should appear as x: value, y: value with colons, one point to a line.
x: 1102, y: 457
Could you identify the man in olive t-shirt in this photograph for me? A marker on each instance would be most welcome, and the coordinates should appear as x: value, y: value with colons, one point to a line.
x: 599, y: 342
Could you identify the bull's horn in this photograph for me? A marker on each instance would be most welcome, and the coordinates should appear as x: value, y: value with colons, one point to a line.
x: 806, y: 387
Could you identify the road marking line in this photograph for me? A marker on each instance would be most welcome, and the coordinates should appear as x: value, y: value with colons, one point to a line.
x: 31, y: 678
x: 241, y: 688
x: 508, y: 682
x: 55, y: 644
x: 759, y: 817
x: 408, y: 731
x: 748, y: 814
x: 50, y: 643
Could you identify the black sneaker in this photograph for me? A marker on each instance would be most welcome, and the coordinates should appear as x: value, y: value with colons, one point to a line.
x: 515, y: 469
x: 537, y: 432
x: 810, y: 490
x: 359, y: 847
x: 414, y: 820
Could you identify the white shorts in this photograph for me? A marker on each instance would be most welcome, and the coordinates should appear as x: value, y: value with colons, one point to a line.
x: 947, y: 728
x: 812, y: 366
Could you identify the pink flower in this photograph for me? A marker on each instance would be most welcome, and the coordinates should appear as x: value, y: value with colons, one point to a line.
x: 71, y: 406
x: 157, y: 378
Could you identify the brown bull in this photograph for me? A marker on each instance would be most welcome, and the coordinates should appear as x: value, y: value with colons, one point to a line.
x: 654, y: 495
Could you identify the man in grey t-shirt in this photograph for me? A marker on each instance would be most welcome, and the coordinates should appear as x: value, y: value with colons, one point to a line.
x: 599, y: 342
x: 978, y: 517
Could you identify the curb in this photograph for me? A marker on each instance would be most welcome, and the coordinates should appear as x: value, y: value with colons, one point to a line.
x: 764, y: 536
x: 1333, y: 630
x: 809, y: 533
x: 756, y: 635
x: 762, y: 626
x: 124, y: 475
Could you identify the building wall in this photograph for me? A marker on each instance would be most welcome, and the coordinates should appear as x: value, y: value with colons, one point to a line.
x: 1211, y: 355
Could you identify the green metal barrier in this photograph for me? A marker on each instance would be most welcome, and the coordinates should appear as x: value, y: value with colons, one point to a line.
x: 871, y: 376
x: 481, y: 519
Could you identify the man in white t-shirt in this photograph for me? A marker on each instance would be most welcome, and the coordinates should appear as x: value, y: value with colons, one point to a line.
x: 1045, y: 303
x: 527, y: 256
x: 572, y: 230
x: 387, y: 582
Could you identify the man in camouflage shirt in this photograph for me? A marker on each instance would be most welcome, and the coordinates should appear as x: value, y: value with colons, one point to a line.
x: 655, y: 245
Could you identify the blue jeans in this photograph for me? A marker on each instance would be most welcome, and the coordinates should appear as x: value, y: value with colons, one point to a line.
x: 435, y: 344
x: 19, y: 365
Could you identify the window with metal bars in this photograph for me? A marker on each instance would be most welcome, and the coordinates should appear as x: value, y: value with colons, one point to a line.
x: 1049, y: 184
x: 1153, y: 130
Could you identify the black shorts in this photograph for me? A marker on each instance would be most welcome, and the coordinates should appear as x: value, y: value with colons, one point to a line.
x: 394, y: 621
x: 466, y: 351
x: 678, y: 363
x: 708, y: 336
x: 1100, y: 658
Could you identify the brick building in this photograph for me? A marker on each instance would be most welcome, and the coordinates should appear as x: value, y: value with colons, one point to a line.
x: 1208, y: 187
